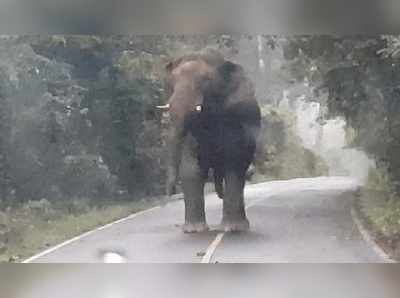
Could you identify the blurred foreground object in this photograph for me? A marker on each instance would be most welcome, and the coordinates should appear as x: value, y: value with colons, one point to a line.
x: 113, y: 257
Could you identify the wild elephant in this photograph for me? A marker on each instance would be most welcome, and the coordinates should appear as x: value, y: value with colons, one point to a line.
x: 215, y: 120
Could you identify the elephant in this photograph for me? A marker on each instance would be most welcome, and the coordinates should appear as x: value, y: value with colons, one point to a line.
x: 214, y: 124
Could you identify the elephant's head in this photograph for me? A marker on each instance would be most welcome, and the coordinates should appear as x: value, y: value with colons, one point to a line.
x: 196, y: 80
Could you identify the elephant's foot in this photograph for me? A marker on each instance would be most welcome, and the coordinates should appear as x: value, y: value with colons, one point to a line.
x: 195, y: 227
x: 235, y: 226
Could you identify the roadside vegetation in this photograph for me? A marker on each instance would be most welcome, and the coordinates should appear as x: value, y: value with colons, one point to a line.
x: 38, y: 225
x: 378, y: 206
x: 282, y: 154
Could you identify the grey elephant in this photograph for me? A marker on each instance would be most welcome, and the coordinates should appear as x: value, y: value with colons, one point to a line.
x: 215, y: 121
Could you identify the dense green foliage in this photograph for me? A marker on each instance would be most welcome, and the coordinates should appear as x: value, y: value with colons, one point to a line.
x: 356, y: 78
x: 75, y: 118
x: 282, y: 154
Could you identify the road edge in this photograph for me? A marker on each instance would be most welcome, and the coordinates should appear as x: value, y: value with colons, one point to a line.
x: 163, y: 202
x: 367, y: 236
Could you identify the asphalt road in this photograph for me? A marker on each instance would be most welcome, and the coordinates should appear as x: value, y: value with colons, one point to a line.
x: 301, y: 220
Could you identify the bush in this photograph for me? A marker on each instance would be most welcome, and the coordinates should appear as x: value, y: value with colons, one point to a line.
x: 282, y: 155
x: 87, y: 176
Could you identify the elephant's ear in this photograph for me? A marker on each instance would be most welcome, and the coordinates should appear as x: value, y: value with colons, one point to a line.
x: 229, y: 74
x: 226, y: 70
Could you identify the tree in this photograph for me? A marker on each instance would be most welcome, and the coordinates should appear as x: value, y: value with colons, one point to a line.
x: 360, y: 77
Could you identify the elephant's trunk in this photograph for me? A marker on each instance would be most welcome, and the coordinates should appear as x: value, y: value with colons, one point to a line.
x: 175, y: 143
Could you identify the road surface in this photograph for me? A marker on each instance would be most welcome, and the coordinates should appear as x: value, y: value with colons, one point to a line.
x: 302, y: 220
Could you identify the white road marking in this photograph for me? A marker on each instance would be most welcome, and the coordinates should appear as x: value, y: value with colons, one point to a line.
x: 211, y: 249
x: 65, y: 243
x: 218, y: 239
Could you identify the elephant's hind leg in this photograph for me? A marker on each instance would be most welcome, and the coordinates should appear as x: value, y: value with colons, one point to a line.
x: 219, y: 184
x: 193, y: 189
x: 234, y: 215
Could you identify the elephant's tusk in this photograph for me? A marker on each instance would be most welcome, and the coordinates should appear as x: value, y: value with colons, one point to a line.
x: 164, y: 107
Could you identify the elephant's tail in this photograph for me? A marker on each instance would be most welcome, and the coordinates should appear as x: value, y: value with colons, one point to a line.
x: 219, y: 187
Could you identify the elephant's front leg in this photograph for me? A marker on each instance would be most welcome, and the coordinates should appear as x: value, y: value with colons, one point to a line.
x: 234, y: 215
x: 193, y: 190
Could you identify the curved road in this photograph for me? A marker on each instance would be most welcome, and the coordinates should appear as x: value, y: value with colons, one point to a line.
x: 301, y: 220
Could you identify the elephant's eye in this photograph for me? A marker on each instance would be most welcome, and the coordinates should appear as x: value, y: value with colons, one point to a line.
x: 199, y: 108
